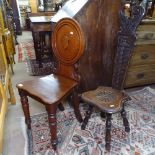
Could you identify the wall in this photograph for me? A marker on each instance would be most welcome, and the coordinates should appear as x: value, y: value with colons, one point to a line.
x: 23, y: 2
x: 33, y: 4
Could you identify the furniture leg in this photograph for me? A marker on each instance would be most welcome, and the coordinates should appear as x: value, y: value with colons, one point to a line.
x: 125, y: 120
x: 75, y: 101
x: 108, y: 134
x: 36, y: 40
x: 11, y: 66
x: 61, y: 107
x: 103, y: 114
x: 51, y: 110
x: 25, y: 106
x: 88, y: 114
x: 11, y: 93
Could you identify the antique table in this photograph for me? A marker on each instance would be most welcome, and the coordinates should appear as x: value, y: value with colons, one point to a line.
x: 41, y: 32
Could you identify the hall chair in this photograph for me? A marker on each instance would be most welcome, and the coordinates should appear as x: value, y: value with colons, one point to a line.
x: 110, y: 100
x: 51, y: 90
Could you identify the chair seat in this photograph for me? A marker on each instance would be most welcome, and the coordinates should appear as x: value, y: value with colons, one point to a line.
x: 49, y: 89
x: 107, y: 99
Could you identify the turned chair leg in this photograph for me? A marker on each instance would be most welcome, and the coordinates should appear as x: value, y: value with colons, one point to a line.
x: 75, y: 102
x: 88, y: 114
x: 125, y: 120
x: 61, y: 107
x: 51, y: 110
x: 25, y: 106
x: 108, y: 132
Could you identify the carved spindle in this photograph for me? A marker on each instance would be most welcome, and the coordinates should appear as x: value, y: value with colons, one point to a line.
x: 25, y: 106
x: 108, y: 134
x: 51, y: 110
x: 88, y: 114
x: 125, y: 120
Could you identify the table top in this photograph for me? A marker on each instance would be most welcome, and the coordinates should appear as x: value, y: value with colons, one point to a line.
x: 40, y: 19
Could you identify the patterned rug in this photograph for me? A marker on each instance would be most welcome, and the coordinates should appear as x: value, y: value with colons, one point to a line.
x: 25, y: 51
x: 74, y: 141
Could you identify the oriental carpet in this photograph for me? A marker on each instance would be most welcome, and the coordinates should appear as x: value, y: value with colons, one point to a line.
x: 26, y: 53
x: 74, y: 141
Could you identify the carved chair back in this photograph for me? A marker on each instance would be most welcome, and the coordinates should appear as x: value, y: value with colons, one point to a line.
x: 125, y: 42
x: 68, y: 46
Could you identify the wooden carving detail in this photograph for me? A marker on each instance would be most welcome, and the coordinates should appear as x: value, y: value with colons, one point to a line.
x: 125, y: 42
x: 68, y: 44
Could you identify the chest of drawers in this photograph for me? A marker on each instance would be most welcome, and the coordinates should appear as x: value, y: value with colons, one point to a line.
x: 141, y: 68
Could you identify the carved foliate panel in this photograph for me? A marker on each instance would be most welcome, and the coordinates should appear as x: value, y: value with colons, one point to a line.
x: 125, y: 42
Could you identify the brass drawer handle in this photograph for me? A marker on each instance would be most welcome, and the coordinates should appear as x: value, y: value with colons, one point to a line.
x: 144, y: 56
x: 140, y: 75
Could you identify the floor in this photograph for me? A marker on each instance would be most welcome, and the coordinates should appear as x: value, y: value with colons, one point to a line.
x: 15, y: 141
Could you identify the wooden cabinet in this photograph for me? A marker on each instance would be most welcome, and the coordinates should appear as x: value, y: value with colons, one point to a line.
x: 13, y: 4
x: 5, y: 89
x: 141, y: 69
x: 7, y: 31
x: 9, y: 48
x: 100, y: 27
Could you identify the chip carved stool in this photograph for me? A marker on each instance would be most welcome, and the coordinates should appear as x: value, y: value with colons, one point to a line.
x: 110, y: 100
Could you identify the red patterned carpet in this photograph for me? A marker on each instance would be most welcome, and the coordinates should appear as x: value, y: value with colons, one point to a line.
x: 25, y: 51
x: 74, y: 141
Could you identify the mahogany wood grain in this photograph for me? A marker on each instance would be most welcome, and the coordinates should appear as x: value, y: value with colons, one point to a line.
x: 51, y: 90
x: 100, y: 28
x: 99, y: 21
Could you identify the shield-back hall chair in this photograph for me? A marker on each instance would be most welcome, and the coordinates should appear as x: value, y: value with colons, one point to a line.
x: 52, y: 89
x: 110, y: 100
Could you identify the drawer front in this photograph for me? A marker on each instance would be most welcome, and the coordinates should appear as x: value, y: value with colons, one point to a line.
x: 148, y: 27
x: 146, y: 35
x: 140, y: 75
x: 143, y: 54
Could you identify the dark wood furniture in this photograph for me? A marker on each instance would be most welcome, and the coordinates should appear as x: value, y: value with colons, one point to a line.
x: 141, y: 69
x: 41, y: 32
x: 51, y: 90
x: 110, y: 100
x: 13, y: 4
x: 99, y: 22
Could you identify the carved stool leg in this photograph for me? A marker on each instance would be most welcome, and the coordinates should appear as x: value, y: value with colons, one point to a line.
x: 51, y: 110
x: 108, y: 134
x: 75, y: 101
x: 125, y: 120
x: 103, y: 114
x: 61, y: 107
x: 88, y: 114
x: 25, y: 106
